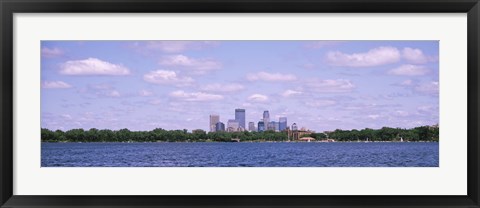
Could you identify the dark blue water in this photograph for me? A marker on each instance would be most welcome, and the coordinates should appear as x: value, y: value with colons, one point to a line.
x: 337, y: 154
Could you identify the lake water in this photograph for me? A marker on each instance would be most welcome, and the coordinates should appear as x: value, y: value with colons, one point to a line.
x: 338, y: 154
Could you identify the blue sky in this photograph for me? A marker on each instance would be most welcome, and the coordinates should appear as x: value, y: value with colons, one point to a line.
x: 320, y: 85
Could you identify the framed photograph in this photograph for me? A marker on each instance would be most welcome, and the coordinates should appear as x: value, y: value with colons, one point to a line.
x: 239, y: 104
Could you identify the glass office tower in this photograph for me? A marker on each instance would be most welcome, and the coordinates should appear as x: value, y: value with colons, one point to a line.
x: 240, y: 117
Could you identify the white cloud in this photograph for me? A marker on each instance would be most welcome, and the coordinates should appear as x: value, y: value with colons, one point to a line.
x: 51, y: 52
x: 430, y: 88
x: 320, y: 103
x: 258, y: 98
x: 223, y: 87
x: 145, y: 93
x: 103, y: 86
x: 107, y: 93
x: 169, y: 46
x: 330, y: 85
x: 407, y: 82
x: 197, y: 66
x: 92, y: 66
x: 426, y: 88
x: 427, y: 109
x: 167, y: 78
x: 195, y: 96
x: 374, y: 116
x: 55, y: 85
x: 265, y: 76
x: 307, y: 66
x: 100, y: 91
x: 416, y: 56
x: 289, y: 93
x: 156, y: 102
x: 409, y: 70
x: 401, y: 113
x: 113, y: 93
x: 374, y: 57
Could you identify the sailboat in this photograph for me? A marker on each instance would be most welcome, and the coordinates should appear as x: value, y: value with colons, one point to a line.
x: 367, y: 140
x: 401, y: 139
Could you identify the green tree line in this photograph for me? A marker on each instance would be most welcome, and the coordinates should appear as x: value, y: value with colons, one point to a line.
x: 156, y: 135
x: 423, y: 133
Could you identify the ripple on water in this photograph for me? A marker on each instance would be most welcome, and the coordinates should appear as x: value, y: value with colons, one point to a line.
x: 240, y: 154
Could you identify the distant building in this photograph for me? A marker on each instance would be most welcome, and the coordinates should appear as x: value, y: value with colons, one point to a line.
x: 198, y: 131
x: 240, y: 117
x: 301, y: 133
x: 282, y: 123
x: 251, y: 126
x: 261, y: 126
x: 295, y: 134
x: 306, y: 139
x: 219, y: 126
x: 271, y: 126
x: 214, y: 119
x: 294, y: 127
x: 232, y: 125
x: 241, y: 129
x: 266, y: 117
x: 277, y: 126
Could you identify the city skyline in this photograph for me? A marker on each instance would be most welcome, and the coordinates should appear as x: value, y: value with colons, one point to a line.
x: 320, y: 85
x: 236, y: 124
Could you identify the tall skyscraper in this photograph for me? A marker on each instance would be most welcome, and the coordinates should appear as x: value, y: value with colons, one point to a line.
x: 214, y: 119
x: 219, y: 126
x: 266, y: 117
x: 261, y: 126
x: 232, y: 125
x: 282, y: 123
x: 251, y: 126
x: 240, y: 117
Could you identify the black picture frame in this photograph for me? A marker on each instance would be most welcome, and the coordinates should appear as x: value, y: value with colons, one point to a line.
x: 10, y: 7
